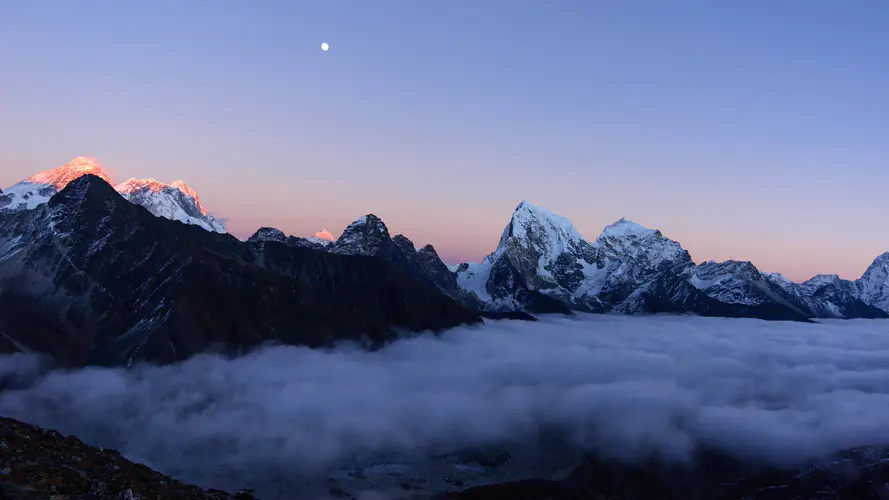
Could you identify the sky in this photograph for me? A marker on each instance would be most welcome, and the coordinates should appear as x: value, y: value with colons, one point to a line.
x: 745, y: 130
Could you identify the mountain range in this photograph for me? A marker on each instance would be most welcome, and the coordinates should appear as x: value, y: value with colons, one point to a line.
x: 92, y: 272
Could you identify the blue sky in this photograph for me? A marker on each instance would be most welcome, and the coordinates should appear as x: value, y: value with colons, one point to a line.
x: 749, y: 130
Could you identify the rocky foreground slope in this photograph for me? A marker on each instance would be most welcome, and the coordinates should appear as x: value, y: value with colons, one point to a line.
x: 42, y: 464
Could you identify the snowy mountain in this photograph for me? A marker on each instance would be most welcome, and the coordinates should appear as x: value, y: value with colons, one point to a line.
x: 540, y: 257
x: 634, y: 262
x: 175, y: 201
x: 873, y: 286
x: 827, y: 296
x: 323, y: 237
x: 633, y: 269
x: 541, y: 264
x: 540, y: 251
x: 735, y: 282
x: 38, y: 188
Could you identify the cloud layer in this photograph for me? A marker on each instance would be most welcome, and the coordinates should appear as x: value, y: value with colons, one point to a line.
x: 623, y: 386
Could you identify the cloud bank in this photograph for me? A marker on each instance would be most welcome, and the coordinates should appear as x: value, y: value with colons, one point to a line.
x: 625, y: 387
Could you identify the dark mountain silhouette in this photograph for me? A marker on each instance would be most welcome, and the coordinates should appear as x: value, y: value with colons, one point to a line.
x: 90, y: 278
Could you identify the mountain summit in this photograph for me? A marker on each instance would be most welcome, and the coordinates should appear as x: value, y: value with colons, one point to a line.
x: 60, y: 177
x: 873, y: 286
x: 175, y: 201
x: 633, y: 269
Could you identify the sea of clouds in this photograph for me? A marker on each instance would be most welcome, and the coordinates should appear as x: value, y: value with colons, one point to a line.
x: 625, y: 387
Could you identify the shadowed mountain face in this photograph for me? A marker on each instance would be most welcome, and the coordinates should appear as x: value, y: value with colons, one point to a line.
x: 369, y: 236
x: 90, y: 278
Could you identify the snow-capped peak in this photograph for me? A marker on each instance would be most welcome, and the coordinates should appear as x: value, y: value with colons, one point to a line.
x: 153, y: 185
x: 358, y: 222
x: 881, y: 260
x: 626, y: 227
x: 873, y: 286
x: 134, y: 184
x: 626, y: 240
x: 182, y: 186
x: 821, y: 279
x: 370, y: 220
x: 550, y: 231
x: 324, y: 236
x: 779, y: 279
x: 61, y: 176
x: 174, y: 201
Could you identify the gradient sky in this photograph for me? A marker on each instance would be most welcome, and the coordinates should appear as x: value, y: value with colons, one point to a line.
x: 754, y: 130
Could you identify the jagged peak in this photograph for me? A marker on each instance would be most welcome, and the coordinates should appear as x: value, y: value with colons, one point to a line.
x: 268, y: 234
x: 83, y: 188
x: 732, y: 266
x: 370, y: 220
x: 133, y: 185
x: 625, y: 227
x: 526, y: 204
x: 365, y: 236
x: 182, y: 186
x: 324, y: 234
x: 822, y: 278
x: 879, y: 266
x: 778, y: 277
x: 529, y: 217
x: 883, y: 258
x: 76, y: 168
x: 428, y: 249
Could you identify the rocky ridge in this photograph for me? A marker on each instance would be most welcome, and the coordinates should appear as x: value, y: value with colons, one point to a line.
x: 90, y: 278
x: 633, y: 269
x: 175, y: 201
x: 42, y: 464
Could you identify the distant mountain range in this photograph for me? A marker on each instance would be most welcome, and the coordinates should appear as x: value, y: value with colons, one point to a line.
x: 174, y: 201
x: 96, y: 273
x: 543, y: 265
x: 633, y: 269
x: 89, y: 276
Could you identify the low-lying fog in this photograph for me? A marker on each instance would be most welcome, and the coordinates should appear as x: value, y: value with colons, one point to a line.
x: 624, y: 386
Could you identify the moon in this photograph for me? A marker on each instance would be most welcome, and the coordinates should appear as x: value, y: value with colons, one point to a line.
x: 324, y: 46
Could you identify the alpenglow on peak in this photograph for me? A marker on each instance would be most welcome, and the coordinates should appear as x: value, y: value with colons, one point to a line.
x: 61, y: 176
x: 134, y: 185
x: 174, y: 201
